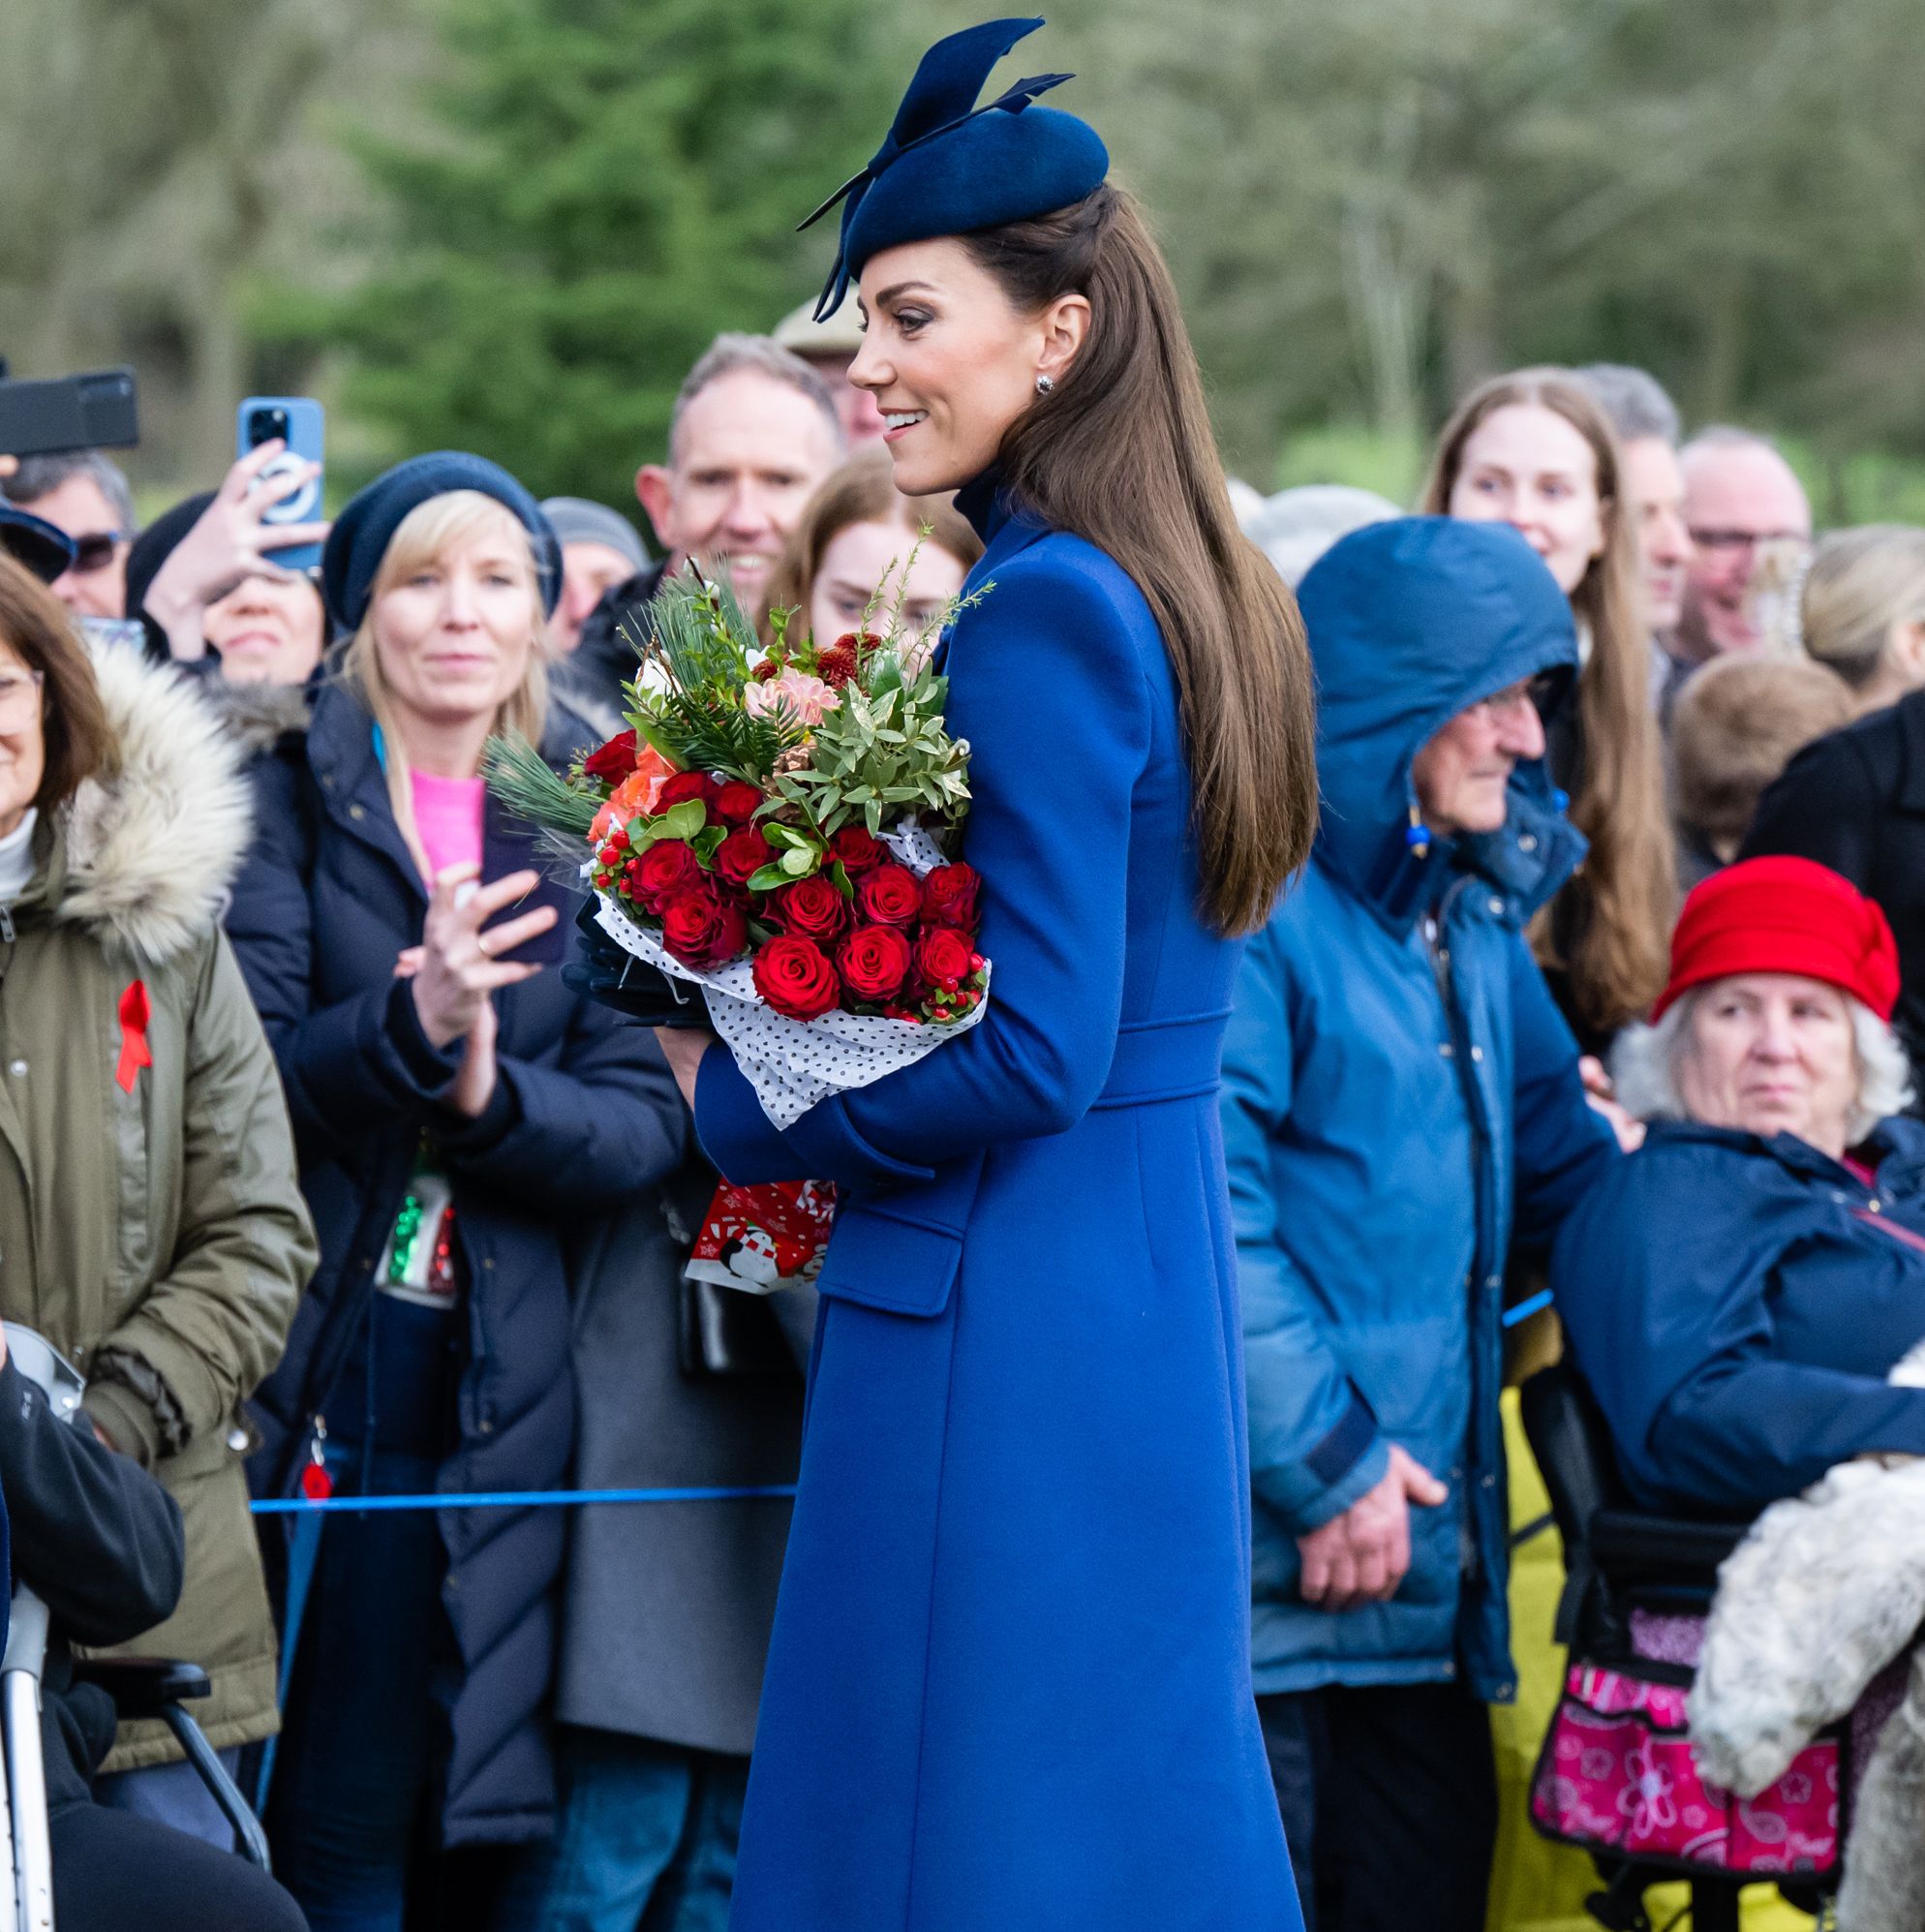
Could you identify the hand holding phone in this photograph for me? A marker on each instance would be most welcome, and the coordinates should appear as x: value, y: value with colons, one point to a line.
x: 232, y: 541
x: 297, y: 424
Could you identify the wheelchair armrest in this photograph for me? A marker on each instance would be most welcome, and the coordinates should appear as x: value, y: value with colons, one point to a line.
x: 1629, y: 1546
x: 144, y: 1686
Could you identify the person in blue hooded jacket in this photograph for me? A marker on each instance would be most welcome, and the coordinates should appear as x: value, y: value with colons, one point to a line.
x: 1009, y: 1681
x: 1400, y: 1097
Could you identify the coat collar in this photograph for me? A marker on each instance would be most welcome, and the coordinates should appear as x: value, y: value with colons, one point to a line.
x: 147, y: 852
x: 1898, y: 1146
x: 1908, y: 720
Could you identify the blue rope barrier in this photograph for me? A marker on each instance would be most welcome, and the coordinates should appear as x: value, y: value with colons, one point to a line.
x: 1526, y: 1308
x: 513, y: 1499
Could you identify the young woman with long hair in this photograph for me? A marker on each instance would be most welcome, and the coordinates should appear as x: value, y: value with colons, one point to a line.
x: 1009, y: 1682
x: 856, y: 528
x: 1533, y: 449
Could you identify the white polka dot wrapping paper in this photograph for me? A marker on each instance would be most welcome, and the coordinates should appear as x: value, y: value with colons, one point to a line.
x: 794, y: 1063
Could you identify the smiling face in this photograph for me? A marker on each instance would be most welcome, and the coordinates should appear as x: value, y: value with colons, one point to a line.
x: 1771, y: 1053
x: 267, y: 631
x: 1527, y: 465
x: 856, y: 560
x: 453, y: 630
x: 748, y: 452
x: 23, y: 737
x: 1740, y: 499
x: 951, y: 361
x: 1462, y: 773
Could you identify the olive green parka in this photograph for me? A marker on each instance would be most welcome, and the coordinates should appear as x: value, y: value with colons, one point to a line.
x: 151, y: 1227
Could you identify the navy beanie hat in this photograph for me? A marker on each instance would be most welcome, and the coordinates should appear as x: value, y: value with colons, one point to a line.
x: 35, y: 544
x: 949, y: 166
x: 363, y: 530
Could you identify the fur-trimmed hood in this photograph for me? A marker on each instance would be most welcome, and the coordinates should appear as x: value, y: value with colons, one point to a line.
x: 151, y: 850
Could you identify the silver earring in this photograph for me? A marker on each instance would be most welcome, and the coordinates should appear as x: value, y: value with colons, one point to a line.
x: 1044, y: 383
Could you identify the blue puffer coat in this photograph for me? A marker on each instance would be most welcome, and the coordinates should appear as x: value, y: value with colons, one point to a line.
x: 1736, y: 1302
x: 1398, y: 1091
x: 584, y: 1116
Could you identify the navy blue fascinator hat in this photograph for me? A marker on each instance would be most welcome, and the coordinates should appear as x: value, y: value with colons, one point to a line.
x: 363, y: 530
x: 949, y: 166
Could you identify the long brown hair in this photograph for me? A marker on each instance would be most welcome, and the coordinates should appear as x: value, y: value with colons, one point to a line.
x: 1610, y: 927
x: 862, y: 491
x: 77, y: 741
x: 1121, y: 453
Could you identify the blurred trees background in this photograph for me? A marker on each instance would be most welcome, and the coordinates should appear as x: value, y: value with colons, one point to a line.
x: 512, y: 223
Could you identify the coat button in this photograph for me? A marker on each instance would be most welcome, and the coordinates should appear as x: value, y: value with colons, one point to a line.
x: 1496, y: 905
x: 1873, y: 1204
x: 1487, y: 1481
x: 1447, y: 1050
x: 1528, y: 843
x: 357, y: 812
x: 18, y: 1068
x: 1477, y: 1052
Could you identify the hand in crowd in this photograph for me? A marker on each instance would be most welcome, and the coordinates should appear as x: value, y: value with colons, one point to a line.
x: 458, y: 966
x: 1360, y: 1556
x: 228, y: 544
x: 1601, y: 1094
x: 682, y: 1048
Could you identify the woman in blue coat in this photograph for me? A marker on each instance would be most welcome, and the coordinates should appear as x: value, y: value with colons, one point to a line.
x: 1738, y: 1291
x: 1009, y: 1684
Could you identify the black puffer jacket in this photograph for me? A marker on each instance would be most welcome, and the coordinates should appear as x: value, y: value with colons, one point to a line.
x: 585, y: 1118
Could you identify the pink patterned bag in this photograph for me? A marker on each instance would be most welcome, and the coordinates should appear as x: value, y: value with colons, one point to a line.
x: 1617, y: 1774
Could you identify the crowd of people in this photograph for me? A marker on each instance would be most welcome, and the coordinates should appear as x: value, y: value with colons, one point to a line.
x: 329, y: 1194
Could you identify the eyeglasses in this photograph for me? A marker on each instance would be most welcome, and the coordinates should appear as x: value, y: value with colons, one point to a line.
x: 19, y: 698
x: 94, y: 551
x: 1732, y: 540
x: 1537, y: 693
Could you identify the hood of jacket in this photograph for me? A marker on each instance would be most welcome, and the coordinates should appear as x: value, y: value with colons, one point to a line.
x: 149, y: 850
x: 1411, y: 622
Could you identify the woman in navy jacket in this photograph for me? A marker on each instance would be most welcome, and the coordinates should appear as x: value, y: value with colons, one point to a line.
x: 1009, y: 1684
x: 1737, y: 1291
x: 424, y: 1070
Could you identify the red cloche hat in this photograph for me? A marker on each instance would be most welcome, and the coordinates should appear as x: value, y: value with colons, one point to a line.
x: 1784, y: 915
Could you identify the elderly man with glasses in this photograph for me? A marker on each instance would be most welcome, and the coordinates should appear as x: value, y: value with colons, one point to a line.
x: 1742, y: 504
x: 85, y: 495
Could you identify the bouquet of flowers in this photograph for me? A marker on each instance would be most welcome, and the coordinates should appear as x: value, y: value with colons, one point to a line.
x: 775, y: 829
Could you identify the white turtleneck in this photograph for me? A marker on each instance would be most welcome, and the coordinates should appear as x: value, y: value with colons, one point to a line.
x: 16, y: 858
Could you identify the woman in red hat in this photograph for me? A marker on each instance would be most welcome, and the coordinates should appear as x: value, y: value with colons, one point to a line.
x: 1736, y: 1293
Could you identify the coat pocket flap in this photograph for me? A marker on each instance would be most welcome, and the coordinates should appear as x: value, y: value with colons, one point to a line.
x: 904, y: 1267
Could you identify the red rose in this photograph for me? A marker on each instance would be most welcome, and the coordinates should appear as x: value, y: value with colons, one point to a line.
x: 890, y: 895
x: 614, y: 761
x: 944, y: 959
x: 811, y: 909
x: 873, y: 962
x: 949, y: 896
x: 738, y: 802
x: 683, y: 787
x: 742, y: 855
x: 859, y: 849
x: 795, y: 977
x: 702, y: 930
x: 669, y: 868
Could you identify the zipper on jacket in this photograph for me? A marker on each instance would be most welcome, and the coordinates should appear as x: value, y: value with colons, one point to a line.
x: 5, y: 925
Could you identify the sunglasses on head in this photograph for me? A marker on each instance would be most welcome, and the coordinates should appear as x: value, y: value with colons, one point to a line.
x: 94, y: 551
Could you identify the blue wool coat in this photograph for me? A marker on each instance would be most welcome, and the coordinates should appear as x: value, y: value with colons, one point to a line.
x: 1009, y: 1684
x: 584, y: 1116
x: 1395, y: 1104
x: 1735, y: 1305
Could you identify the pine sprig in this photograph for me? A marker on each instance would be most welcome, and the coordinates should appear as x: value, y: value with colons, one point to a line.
x: 520, y: 777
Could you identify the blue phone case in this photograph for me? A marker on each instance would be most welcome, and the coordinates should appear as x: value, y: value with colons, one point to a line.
x: 300, y: 422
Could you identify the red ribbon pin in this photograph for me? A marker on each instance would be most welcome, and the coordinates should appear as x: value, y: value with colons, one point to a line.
x: 134, y: 1015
